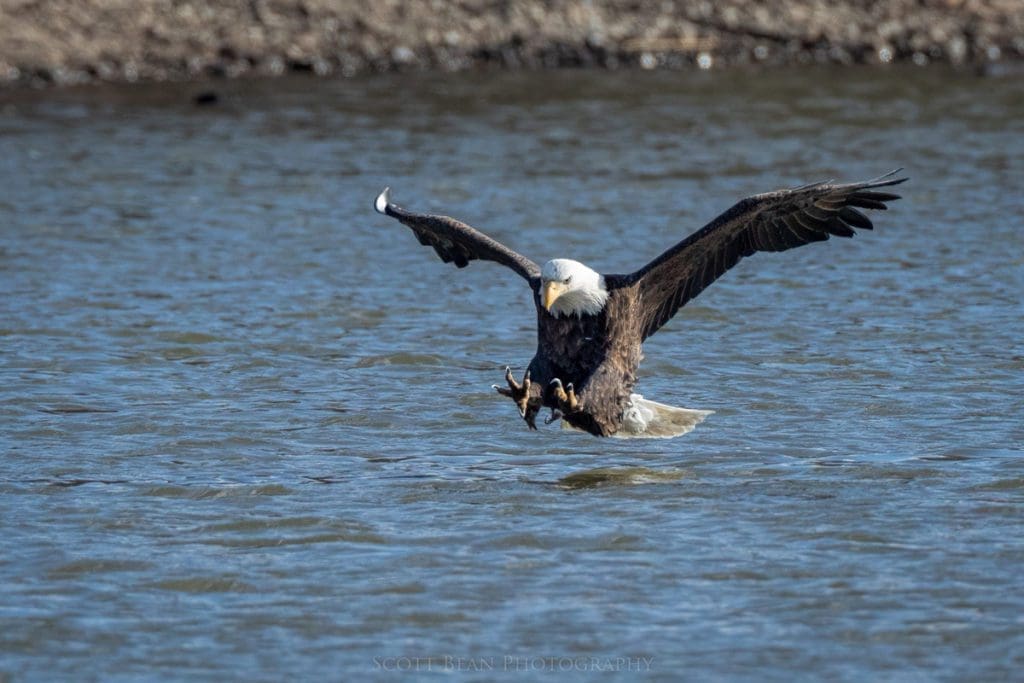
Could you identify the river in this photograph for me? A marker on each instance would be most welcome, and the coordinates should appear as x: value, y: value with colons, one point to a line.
x: 247, y: 424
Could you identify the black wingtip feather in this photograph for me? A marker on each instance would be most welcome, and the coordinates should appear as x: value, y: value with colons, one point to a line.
x: 861, y: 202
x: 838, y: 228
x: 887, y: 179
x: 879, y: 196
x: 855, y: 218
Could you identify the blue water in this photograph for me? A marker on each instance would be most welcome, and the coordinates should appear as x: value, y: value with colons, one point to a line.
x: 248, y: 430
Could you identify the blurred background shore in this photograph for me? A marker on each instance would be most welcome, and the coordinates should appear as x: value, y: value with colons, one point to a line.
x: 81, y: 41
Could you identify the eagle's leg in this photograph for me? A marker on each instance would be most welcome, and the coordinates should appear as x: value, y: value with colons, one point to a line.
x: 533, y: 406
x: 520, y: 393
x: 566, y: 396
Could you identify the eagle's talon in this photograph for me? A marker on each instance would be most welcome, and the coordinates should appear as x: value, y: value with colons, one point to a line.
x: 566, y: 396
x: 556, y: 414
x: 520, y: 393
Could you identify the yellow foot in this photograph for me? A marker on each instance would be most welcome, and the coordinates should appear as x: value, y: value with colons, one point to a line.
x: 520, y: 393
x: 566, y: 396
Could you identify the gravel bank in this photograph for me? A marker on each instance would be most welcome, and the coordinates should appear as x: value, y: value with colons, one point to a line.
x: 46, y: 42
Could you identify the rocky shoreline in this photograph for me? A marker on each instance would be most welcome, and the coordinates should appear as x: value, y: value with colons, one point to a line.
x: 46, y: 43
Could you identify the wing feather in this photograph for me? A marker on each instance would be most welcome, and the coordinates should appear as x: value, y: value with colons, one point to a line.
x: 836, y: 227
x: 775, y: 221
x: 855, y: 218
x: 458, y: 243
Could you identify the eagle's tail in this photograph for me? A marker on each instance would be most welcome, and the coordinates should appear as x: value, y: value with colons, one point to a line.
x: 653, y: 420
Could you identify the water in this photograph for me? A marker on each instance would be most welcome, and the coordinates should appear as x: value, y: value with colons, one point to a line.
x: 248, y: 429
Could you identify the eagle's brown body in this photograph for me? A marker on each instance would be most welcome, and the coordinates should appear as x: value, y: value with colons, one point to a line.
x: 595, y: 356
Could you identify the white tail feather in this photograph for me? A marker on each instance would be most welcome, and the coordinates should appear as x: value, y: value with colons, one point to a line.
x: 645, y: 419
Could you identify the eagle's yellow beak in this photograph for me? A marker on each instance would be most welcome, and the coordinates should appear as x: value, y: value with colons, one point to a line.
x: 551, y: 292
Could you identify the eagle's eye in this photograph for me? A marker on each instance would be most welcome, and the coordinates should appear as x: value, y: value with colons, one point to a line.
x: 567, y: 280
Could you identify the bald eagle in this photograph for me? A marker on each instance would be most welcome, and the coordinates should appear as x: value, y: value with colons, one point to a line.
x: 590, y: 326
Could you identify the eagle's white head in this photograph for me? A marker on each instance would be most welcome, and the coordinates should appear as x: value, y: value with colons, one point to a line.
x: 570, y: 288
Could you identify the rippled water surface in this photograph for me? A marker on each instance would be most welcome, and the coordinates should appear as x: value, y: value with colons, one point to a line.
x: 247, y: 429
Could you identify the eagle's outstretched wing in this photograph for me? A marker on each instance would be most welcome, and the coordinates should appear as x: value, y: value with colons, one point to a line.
x: 455, y: 242
x: 774, y: 221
